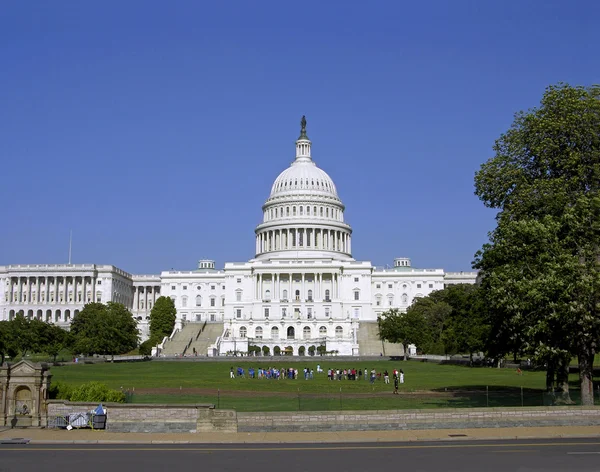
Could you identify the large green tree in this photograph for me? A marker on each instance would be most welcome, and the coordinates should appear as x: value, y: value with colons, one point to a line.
x: 162, y: 318
x: 104, y: 329
x: 405, y: 328
x: 540, y: 271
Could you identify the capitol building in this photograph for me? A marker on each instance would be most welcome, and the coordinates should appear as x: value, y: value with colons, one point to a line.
x: 301, y: 290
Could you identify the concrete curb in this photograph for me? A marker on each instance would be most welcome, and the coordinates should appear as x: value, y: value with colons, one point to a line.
x: 413, y: 439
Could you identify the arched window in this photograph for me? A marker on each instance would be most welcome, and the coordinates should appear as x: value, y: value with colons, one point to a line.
x: 287, y: 211
x: 198, y: 300
x: 243, y: 332
x: 297, y: 295
x: 306, y: 333
x: 310, y: 295
x: 238, y: 295
x: 291, y: 333
x: 327, y: 212
x: 321, y: 211
x: 404, y: 298
x: 285, y: 295
x: 327, y: 299
x: 323, y: 331
x: 301, y: 210
x: 378, y: 300
x: 274, y: 332
x: 258, y: 332
x: 308, y: 210
x: 390, y: 300
x: 183, y: 301
x: 339, y: 332
x: 267, y: 295
x: 315, y: 211
x: 294, y: 211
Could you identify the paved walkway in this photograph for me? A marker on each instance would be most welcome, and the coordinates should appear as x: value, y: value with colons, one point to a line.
x: 81, y: 436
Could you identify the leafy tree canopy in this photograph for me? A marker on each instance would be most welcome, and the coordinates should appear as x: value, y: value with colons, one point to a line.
x: 162, y: 318
x: 540, y: 270
x: 104, y: 329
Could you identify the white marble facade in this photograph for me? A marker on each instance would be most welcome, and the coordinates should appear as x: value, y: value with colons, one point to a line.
x: 302, y: 287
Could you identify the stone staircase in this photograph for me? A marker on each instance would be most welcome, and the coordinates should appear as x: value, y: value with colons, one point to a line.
x: 177, y: 345
x: 369, y: 343
x: 206, y: 338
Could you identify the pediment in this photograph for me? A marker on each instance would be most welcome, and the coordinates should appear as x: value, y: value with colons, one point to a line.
x: 24, y: 367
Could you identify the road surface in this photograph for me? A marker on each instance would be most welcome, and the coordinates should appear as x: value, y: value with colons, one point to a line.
x: 476, y: 456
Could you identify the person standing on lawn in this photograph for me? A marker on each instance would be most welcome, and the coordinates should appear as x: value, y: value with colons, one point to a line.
x: 396, y: 380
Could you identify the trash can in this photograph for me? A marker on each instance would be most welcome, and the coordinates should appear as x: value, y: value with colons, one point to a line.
x: 99, y: 422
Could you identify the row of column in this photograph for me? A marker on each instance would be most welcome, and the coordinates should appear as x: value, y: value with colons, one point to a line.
x: 148, y: 293
x: 316, y: 284
x: 25, y: 286
x: 295, y: 238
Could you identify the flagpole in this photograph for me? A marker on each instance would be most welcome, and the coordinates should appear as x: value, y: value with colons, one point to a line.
x: 70, y: 241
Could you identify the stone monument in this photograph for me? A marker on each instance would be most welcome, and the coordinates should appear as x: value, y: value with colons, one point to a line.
x: 23, y: 394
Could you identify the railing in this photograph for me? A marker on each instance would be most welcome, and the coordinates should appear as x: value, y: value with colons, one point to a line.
x: 201, y: 330
x: 187, y: 346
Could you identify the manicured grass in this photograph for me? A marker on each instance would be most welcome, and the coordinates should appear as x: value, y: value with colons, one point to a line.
x: 215, y: 375
x: 427, y: 385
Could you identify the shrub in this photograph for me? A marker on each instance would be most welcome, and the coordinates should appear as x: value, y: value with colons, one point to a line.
x: 145, y: 348
x: 88, y: 392
x: 266, y: 350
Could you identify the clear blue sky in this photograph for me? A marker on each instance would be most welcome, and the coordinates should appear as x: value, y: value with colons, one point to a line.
x: 155, y: 129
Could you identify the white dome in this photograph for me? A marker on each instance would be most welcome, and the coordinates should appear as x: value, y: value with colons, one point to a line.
x: 303, y: 175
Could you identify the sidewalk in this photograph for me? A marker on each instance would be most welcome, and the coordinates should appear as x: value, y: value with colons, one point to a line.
x: 81, y: 436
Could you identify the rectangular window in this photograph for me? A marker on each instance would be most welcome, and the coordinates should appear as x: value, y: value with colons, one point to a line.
x: 239, y: 281
x: 327, y: 312
x: 356, y: 279
x: 185, y: 287
x: 378, y: 286
x: 212, y: 302
x: 172, y: 287
x: 212, y: 287
x: 356, y: 295
x: 222, y: 287
x: 266, y: 312
x: 222, y: 302
x: 430, y: 285
x: 309, y: 313
x: 390, y: 285
x: 99, y: 282
x: 238, y: 313
x: 283, y: 312
x: 378, y: 302
x: 418, y: 285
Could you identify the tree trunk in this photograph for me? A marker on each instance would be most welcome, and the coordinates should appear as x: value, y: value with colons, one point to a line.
x: 550, y: 374
x: 405, y: 348
x: 586, y: 369
x: 562, y: 381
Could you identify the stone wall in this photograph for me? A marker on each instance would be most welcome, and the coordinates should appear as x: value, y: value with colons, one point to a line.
x: 153, y: 418
x: 417, y: 419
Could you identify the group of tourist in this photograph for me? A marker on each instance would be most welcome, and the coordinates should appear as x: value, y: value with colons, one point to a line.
x: 292, y: 373
x: 273, y: 373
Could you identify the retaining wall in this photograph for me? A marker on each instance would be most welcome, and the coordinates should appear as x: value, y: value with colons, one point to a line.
x: 158, y: 418
x: 154, y: 418
x: 417, y: 419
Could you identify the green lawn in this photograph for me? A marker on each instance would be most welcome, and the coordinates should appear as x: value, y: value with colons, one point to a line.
x: 427, y: 385
x: 419, y: 376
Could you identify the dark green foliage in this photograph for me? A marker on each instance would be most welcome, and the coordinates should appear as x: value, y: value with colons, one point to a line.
x: 405, y: 328
x: 265, y: 350
x: 87, y: 392
x: 104, y: 329
x: 162, y: 318
x: 145, y: 348
x: 540, y: 271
